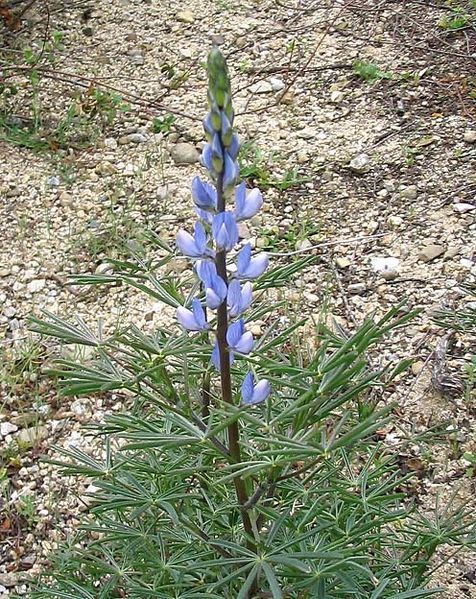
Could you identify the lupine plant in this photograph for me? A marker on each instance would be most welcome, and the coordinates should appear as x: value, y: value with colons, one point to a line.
x: 240, y: 468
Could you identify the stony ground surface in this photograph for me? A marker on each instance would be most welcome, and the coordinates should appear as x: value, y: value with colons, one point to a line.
x: 359, y: 121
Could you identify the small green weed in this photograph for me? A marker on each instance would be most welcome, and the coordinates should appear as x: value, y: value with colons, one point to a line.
x: 163, y: 124
x: 288, y: 240
x: 369, y: 72
x: 462, y: 15
x: 254, y: 166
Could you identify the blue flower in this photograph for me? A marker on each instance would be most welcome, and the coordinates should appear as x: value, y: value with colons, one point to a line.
x: 247, y: 205
x: 215, y: 286
x: 194, y: 319
x: 248, y: 267
x: 238, y: 340
x: 225, y: 230
x: 194, y: 246
x: 204, y: 195
x: 251, y: 393
x: 207, y: 157
x: 238, y: 298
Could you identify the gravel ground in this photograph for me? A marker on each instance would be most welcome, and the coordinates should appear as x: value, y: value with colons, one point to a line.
x: 369, y: 166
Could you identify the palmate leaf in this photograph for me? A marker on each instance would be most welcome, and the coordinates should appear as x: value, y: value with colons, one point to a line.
x: 57, y: 327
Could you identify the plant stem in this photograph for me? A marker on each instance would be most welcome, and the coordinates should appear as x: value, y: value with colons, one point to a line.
x: 225, y: 377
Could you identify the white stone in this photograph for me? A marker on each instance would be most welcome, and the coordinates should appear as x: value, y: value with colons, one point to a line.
x: 360, y: 164
x: 463, y: 207
x: 470, y: 136
x: 276, y: 84
x: 36, y: 285
x: 7, y: 428
x: 386, y: 267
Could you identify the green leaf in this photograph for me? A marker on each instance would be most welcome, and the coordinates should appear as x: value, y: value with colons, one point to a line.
x: 272, y: 580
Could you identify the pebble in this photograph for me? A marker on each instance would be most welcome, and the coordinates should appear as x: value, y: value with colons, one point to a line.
x: 385, y: 267
x: 7, y: 428
x: 184, y: 153
x: 53, y: 181
x: 463, y: 207
x: 431, y: 251
x: 276, y: 84
x: 36, y: 285
x: 261, y: 87
x: 133, y: 138
x: 110, y: 143
x: 343, y: 262
x: 337, y: 96
x: 356, y: 288
x: 470, y: 136
x: 409, y: 193
x: 105, y: 268
x: 8, y: 579
x: 302, y: 156
x: 417, y: 367
x: 185, y: 16
x: 395, y: 222
x: 360, y: 164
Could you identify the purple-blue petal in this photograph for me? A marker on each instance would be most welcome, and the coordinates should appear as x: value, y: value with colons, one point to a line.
x: 235, y: 331
x: 200, y: 238
x: 247, y: 388
x: 234, y: 147
x: 186, y: 244
x: 249, y: 205
x: 216, y: 357
x: 204, y: 195
x: 245, y: 344
x: 207, y: 157
x: 187, y: 319
x: 199, y: 314
x: 243, y: 258
x: 261, y: 392
x: 231, y: 170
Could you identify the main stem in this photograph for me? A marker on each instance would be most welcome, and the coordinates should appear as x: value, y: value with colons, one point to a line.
x: 225, y: 375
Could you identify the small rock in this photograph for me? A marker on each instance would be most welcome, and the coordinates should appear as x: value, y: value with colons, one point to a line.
x: 337, y: 97
x: 276, y: 84
x: 306, y: 133
x: 470, y: 136
x: 243, y: 231
x: 36, y: 285
x: 343, y: 262
x: 32, y: 436
x: 88, y: 31
x: 7, y: 428
x: 302, y: 156
x: 417, y: 367
x: 185, y: 16
x: 10, y: 311
x: 13, y: 192
x: 431, y: 251
x: 4, y: 272
x: 395, y: 222
x: 106, y: 268
x: 261, y: 87
x: 453, y: 251
x: 133, y: 138
x: 110, y: 143
x: 241, y: 41
x: 303, y: 244
x: 385, y: 267
x: 176, y: 266
x: 356, y: 288
x: 8, y: 579
x: 288, y: 97
x: 131, y: 37
x: 184, y: 153
x: 463, y: 207
x: 66, y: 199
x: 256, y: 330
x: 360, y: 164
x: 217, y: 39
x: 53, y: 181
x: 409, y: 193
